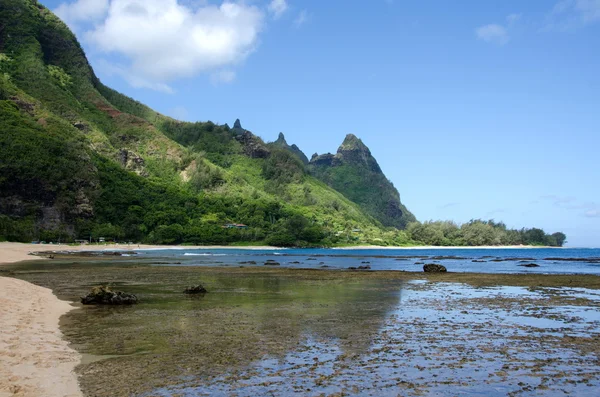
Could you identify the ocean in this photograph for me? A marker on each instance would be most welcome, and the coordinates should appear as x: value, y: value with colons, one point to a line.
x: 501, y: 260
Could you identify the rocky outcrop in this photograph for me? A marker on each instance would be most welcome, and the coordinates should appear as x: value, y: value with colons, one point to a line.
x: 104, y: 296
x: 530, y: 265
x: 195, y: 289
x: 354, y: 151
x: 237, y: 128
x: 253, y: 146
x: 282, y: 143
x: 434, y: 268
x: 271, y: 262
x: 324, y: 160
x: 132, y: 162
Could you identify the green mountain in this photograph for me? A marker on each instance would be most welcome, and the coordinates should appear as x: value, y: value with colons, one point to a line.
x: 354, y: 172
x: 80, y: 160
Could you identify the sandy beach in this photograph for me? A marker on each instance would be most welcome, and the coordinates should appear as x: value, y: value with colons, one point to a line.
x: 34, y: 359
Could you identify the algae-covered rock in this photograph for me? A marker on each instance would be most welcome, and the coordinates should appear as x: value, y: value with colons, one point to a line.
x: 434, y: 268
x: 104, y: 296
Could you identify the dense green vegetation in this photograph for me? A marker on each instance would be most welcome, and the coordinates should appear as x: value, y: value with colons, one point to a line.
x: 478, y: 233
x: 79, y: 160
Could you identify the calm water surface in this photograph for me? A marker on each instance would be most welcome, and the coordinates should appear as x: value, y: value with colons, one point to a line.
x: 261, y: 332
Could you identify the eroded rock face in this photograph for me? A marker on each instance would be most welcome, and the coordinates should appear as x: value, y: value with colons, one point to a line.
x: 253, y: 146
x: 195, y: 289
x: 104, y: 296
x: 434, y: 268
x: 133, y: 162
x: 327, y: 160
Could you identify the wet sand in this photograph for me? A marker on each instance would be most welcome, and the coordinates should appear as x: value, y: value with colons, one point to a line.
x: 262, y: 331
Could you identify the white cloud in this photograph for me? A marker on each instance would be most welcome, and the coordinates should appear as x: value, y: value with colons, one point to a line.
x: 277, y: 8
x: 165, y: 40
x: 79, y: 11
x: 223, y: 76
x: 493, y: 33
x: 301, y: 19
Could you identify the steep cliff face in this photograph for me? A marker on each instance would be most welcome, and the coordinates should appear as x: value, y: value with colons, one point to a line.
x: 355, y: 173
x: 282, y: 143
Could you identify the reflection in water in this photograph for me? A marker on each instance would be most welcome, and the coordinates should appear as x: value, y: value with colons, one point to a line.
x: 172, y: 339
x: 312, y: 333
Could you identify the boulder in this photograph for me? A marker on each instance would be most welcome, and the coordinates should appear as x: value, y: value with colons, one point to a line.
x: 434, y: 268
x: 195, y: 289
x: 364, y: 267
x: 271, y: 262
x: 530, y: 265
x: 104, y: 296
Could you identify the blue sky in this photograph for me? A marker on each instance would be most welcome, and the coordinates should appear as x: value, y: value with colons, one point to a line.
x: 474, y: 109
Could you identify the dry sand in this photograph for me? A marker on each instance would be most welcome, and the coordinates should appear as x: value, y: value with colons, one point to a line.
x: 34, y: 359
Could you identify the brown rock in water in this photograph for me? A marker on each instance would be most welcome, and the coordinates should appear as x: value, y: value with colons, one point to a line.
x: 530, y: 265
x: 104, y: 296
x: 434, y: 268
x: 271, y: 262
x: 196, y: 289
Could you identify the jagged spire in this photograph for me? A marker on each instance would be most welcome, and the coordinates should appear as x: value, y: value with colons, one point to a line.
x: 281, y: 139
x: 237, y: 124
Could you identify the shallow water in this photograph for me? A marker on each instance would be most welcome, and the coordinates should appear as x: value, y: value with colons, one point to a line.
x: 271, y: 332
x: 550, y: 260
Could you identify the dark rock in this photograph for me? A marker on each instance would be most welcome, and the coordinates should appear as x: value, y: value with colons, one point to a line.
x: 478, y: 261
x: 419, y: 263
x: 81, y: 126
x: 530, y: 265
x: 434, y: 268
x: 352, y: 268
x: 248, y: 263
x: 364, y: 267
x: 104, y: 296
x: 311, y: 259
x: 271, y: 262
x: 196, y: 289
x: 295, y: 263
x: 365, y: 262
x: 253, y: 146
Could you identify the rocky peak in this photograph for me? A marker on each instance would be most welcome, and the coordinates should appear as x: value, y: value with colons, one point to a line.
x: 354, y: 151
x: 281, y: 140
x: 237, y: 124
